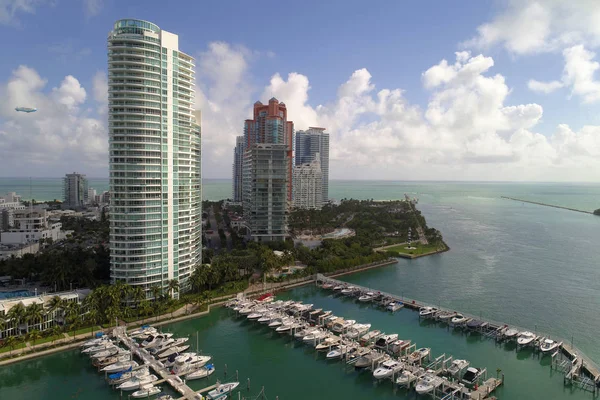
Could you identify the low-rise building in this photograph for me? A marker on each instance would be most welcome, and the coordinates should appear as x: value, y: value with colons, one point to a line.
x: 31, y: 226
x: 18, y: 250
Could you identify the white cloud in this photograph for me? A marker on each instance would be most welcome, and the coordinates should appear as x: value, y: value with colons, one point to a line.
x: 533, y: 26
x: 467, y: 130
x: 58, y: 137
x: 9, y: 9
x: 543, y: 87
x: 92, y: 8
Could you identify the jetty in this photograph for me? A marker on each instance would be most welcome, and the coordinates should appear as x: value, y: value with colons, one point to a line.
x: 580, y: 370
x: 546, y: 205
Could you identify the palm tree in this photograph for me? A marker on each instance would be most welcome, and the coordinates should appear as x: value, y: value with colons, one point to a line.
x: 2, y: 325
x: 145, y: 307
x: 156, y: 292
x: 92, y: 317
x: 35, y: 313
x: 55, y: 331
x: 33, y: 336
x: 173, y: 286
x: 17, y: 316
x: 11, y: 341
x: 73, y: 313
x: 138, y: 294
x: 54, y: 304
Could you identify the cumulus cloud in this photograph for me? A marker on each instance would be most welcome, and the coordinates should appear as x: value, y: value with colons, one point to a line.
x: 9, y: 10
x: 466, y: 131
x: 544, y: 87
x: 100, y: 90
x: 534, y: 26
x: 92, y: 8
x: 60, y: 136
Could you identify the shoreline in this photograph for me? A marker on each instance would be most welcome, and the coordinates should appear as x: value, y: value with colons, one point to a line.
x: 19, y: 355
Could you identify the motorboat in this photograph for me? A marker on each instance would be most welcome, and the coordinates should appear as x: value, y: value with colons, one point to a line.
x: 549, y: 345
x: 446, y: 316
x: 247, y: 310
x: 339, y: 288
x: 367, y: 337
x: 476, y: 324
x: 267, y: 317
x: 154, y: 340
x: 144, y: 330
x: 137, y: 381
x: 330, y: 319
x: 394, y: 306
x: 277, y: 322
x: 471, y: 375
x: 366, y: 360
x: 357, y: 329
x: 427, y: 312
x: 327, y: 285
x: 398, y: 346
x: 98, y: 348
x: 285, y: 327
x: 165, y: 345
x: 313, y: 337
x: 338, y: 351
x: 95, y: 342
x: 188, y: 362
x: 222, y: 389
x: 146, y: 391
x: 327, y: 343
x: 119, y: 366
x: 104, y: 361
x: 458, y: 320
x: 511, y: 333
x: 385, y: 340
x: 367, y: 297
x: 525, y: 338
x: 419, y: 354
x: 426, y: 383
x: 386, y: 369
x: 457, y: 367
x: 266, y: 298
x: 109, y: 352
x: 164, y: 396
x: 341, y: 325
x: 201, y: 372
x: 405, y: 378
x: 120, y: 377
x: 303, y: 332
x: 348, y: 291
x: 172, y: 350
x: 255, y: 315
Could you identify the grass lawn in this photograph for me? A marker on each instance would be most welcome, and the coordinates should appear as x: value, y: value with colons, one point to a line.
x: 420, y: 249
x: 6, y: 349
x: 47, y: 339
x: 84, y: 330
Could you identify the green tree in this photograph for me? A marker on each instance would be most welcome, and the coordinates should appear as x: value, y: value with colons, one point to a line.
x: 33, y: 336
x: 34, y: 314
x: 156, y: 292
x: 597, y: 212
x: 173, y: 286
x: 56, y: 331
x: 11, y: 342
x: 199, y: 277
x: 146, y: 308
x: 17, y: 315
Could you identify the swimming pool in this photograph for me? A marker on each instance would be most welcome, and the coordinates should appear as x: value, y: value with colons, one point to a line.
x: 15, y: 293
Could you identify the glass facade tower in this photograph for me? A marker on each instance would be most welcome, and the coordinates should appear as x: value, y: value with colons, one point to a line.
x: 155, y: 168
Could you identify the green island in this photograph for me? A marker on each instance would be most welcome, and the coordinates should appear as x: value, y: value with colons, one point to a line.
x: 597, y: 212
x: 339, y: 237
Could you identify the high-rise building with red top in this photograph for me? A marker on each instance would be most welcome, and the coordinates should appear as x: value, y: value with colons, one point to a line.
x: 267, y: 175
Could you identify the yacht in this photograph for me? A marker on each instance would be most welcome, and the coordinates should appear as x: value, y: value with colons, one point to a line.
x: 385, y: 340
x: 144, y: 330
x: 457, y: 367
x: 394, y: 306
x: 303, y: 332
x: 327, y: 343
x: 172, y: 350
x: 104, y: 361
x: 120, y: 377
x: 256, y: 314
x: 341, y: 325
x: 187, y: 363
x: 549, y: 345
x: 278, y: 322
x: 313, y: 337
x: 119, y: 366
x: 222, y: 389
x: 525, y: 338
x: 285, y: 327
x: 386, y: 369
x: 95, y: 342
x: 247, y: 310
x: 446, y: 316
x: 367, y: 360
x: 339, y: 351
x: 471, y: 376
x: 98, y: 348
x: 405, y: 378
x: 164, y: 396
x: 137, y: 381
x: 367, y: 337
x: 419, y: 354
x: 109, y: 352
x: 367, y: 297
x: 427, y: 312
x: 154, y: 340
x: 339, y: 288
x: 167, y: 344
x: 511, y: 333
x: 458, y: 320
x: 426, y: 383
x: 348, y: 291
x: 399, y: 346
x: 327, y: 285
x: 201, y: 372
x: 267, y: 317
x: 146, y: 391
x: 357, y: 329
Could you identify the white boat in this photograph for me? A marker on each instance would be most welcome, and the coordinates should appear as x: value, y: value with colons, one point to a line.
x: 313, y: 337
x: 104, y: 361
x: 146, y: 391
x: 111, y: 351
x: 303, y: 332
x: 348, y: 291
x: 95, y: 342
x: 121, y: 377
x: 398, y: 346
x: 457, y: 367
x: 98, y: 348
x: 405, y: 378
x: 385, y: 340
x: 162, y: 346
x: 277, y: 322
x: 327, y: 285
x: 172, y: 350
x: 338, y: 351
x: 159, y: 343
x: 357, y: 329
x: 427, y: 311
x: 247, y: 310
x: 222, y: 390
x: 471, y: 376
x: 255, y: 315
x: 511, y: 333
x: 153, y: 340
x: 549, y: 345
x: 144, y: 330
x: 201, y: 372
x: 365, y: 298
x: 386, y: 369
x: 370, y: 335
x: 268, y: 317
x: 394, y: 306
x: 166, y: 397
x: 137, y: 381
x: 445, y: 316
x: 119, y: 366
x: 188, y: 363
x: 338, y: 287
x: 458, y: 320
x: 285, y: 327
x: 342, y: 325
x: 327, y: 343
x: 425, y: 384
x: 419, y: 354
x: 525, y: 338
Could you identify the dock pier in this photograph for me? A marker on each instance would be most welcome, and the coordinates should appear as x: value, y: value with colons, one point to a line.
x: 546, y: 205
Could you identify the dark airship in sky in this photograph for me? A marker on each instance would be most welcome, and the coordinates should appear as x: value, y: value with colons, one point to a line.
x: 26, y: 109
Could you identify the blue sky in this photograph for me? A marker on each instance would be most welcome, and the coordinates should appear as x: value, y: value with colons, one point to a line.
x: 324, y: 43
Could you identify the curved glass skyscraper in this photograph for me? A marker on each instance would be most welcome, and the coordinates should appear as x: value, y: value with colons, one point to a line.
x: 155, y: 169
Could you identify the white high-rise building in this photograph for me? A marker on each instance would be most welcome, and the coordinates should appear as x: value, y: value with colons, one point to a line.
x: 308, y: 185
x: 155, y: 169
x: 76, y: 190
x: 309, y: 144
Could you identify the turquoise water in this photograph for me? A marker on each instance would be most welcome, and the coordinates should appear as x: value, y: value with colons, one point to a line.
x: 16, y: 293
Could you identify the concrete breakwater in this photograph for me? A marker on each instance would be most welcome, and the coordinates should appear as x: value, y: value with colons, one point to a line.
x: 547, y: 205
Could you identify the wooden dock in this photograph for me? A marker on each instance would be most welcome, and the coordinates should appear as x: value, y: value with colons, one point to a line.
x: 486, y: 389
